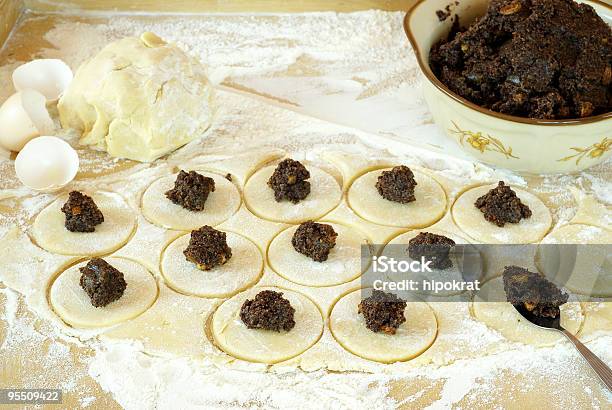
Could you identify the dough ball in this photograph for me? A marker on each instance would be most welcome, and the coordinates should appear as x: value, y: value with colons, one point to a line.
x: 325, y: 194
x: 73, y: 305
x: 528, y: 230
x: 242, y: 270
x: 504, y: 318
x: 220, y: 205
x: 139, y: 98
x: 50, y: 233
x: 342, y: 265
x: 411, y: 339
x: 265, y: 346
x: 471, y: 259
x: 585, y: 268
x: 428, y: 208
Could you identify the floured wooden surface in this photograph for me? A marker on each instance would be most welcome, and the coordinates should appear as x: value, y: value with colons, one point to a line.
x: 250, y: 133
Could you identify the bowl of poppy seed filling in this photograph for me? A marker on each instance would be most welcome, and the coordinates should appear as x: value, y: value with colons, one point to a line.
x: 524, y: 85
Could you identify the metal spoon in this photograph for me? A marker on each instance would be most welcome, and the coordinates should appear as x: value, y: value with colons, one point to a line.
x: 602, y: 369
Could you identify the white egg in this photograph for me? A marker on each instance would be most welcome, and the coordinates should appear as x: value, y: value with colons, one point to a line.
x: 46, y: 164
x: 49, y: 77
x: 22, y: 117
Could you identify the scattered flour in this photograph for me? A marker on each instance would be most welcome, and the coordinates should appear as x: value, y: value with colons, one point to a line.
x: 140, y: 381
x: 328, y: 60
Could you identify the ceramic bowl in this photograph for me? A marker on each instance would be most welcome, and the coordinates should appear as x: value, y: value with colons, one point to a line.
x: 520, y: 144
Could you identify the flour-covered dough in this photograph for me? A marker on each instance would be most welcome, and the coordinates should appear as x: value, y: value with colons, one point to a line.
x: 468, y: 259
x: 411, y: 339
x: 471, y: 220
x: 139, y: 98
x: 342, y: 265
x: 429, y: 206
x: 73, y: 305
x: 266, y: 346
x: 582, y: 261
x: 324, y: 195
x: 242, y: 270
x: 220, y: 205
x: 504, y: 318
x: 597, y: 321
x: 49, y: 230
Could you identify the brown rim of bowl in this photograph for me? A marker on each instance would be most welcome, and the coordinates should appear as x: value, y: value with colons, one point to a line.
x: 440, y: 86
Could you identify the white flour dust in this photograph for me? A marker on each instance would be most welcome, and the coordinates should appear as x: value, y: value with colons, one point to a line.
x: 335, y: 67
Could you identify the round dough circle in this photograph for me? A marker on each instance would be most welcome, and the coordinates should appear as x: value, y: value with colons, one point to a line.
x: 364, y: 199
x: 220, y: 205
x: 342, y: 265
x: 504, y: 318
x: 472, y: 221
x: 264, y: 346
x: 412, y: 338
x: 73, y: 305
x: 598, y: 318
x: 593, y: 275
x: 242, y: 270
x: 400, y: 252
x: 325, y: 194
x: 49, y: 230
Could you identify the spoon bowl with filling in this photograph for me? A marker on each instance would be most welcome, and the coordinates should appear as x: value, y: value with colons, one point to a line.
x: 602, y: 369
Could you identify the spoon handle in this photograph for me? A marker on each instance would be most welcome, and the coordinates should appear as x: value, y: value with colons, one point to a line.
x: 602, y: 369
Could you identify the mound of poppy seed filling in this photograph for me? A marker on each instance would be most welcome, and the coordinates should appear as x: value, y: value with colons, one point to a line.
x: 289, y: 181
x: 314, y: 240
x: 397, y: 185
x: 383, y: 312
x: 433, y: 248
x: 102, y: 282
x: 191, y: 190
x: 544, y: 59
x: 533, y: 292
x: 269, y: 310
x: 208, y: 248
x: 501, y: 205
x: 82, y: 213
